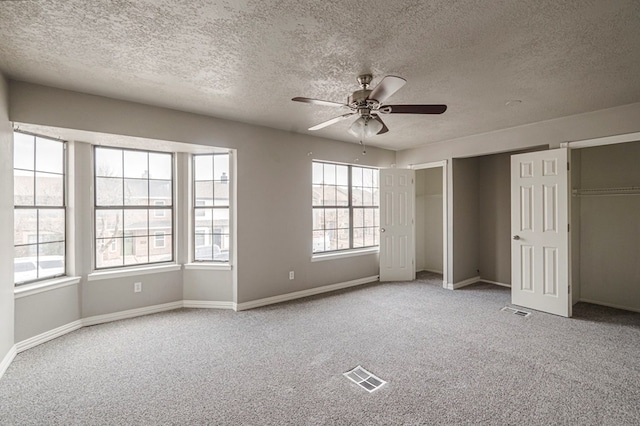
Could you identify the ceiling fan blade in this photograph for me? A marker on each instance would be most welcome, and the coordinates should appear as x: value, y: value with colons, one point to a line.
x: 413, y: 109
x: 384, y: 129
x: 332, y: 121
x: 318, y: 102
x: 387, y: 87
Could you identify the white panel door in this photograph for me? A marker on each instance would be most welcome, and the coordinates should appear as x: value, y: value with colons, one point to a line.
x: 540, y: 251
x: 397, y: 250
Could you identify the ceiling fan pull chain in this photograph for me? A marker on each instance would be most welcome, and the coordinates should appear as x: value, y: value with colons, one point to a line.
x: 364, y: 148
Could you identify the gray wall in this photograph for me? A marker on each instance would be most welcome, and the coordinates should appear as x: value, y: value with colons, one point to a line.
x: 273, y: 201
x: 610, y: 227
x: 465, y: 207
x: 494, y: 216
x: 429, y: 226
x: 6, y: 226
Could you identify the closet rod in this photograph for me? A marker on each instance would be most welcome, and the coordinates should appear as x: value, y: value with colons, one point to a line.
x: 594, y: 192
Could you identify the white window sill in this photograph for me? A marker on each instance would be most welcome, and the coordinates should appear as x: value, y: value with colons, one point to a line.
x: 131, y: 272
x: 343, y: 254
x: 208, y: 266
x: 42, y: 286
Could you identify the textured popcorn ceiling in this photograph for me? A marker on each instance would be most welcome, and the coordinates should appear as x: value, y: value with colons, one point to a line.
x: 244, y: 60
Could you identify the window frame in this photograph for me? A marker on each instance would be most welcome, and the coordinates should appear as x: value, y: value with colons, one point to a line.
x: 351, y: 207
x: 124, y: 207
x: 198, y: 211
x: 38, y: 208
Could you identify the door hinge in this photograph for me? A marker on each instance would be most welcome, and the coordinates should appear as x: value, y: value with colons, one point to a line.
x: 569, y: 289
x: 568, y: 227
x: 568, y: 166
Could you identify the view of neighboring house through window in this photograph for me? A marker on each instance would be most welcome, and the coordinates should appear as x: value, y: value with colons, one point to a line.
x: 211, y: 207
x: 133, y: 207
x: 345, y: 207
x: 39, y: 207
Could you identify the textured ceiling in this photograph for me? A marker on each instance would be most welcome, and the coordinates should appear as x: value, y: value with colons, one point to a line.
x: 244, y: 60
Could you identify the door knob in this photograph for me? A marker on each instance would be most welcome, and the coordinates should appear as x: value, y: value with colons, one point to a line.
x: 516, y: 237
x: 382, y: 230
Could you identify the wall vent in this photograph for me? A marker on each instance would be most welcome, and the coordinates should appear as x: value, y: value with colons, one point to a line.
x: 364, y: 379
x: 516, y: 311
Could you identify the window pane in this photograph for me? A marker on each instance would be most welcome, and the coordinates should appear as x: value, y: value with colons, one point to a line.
x: 342, y: 175
x: 358, y: 218
x: 135, y: 223
x: 204, y: 251
x: 23, y: 189
x: 203, y: 165
x: 343, y: 239
x: 204, y: 193
x: 109, y: 191
x: 318, y: 219
x: 136, y: 192
x: 367, y: 177
x: 51, y: 260
x: 23, y: 151
x: 329, y: 195
x: 136, y: 164
x: 319, y: 241
x: 221, y: 194
x: 49, y: 189
x: 368, y: 237
x: 160, y: 166
x: 160, y: 223
x: 49, y: 155
x: 108, y: 162
x: 330, y: 174
x: 51, y: 225
x: 376, y: 176
x: 317, y: 195
x: 332, y: 238
x: 358, y: 237
x: 136, y: 250
x: 221, y: 220
x: 342, y: 196
x: 221, y: 167
x: 109, y: 252
x: 318, y: 176
x: 367, y: 197
x: 160, y: 190
x: 204, y: 223
x: 25, y: 226
x: 158, y: 253
x: 356, y: 196
x: 24, y: 264
x: 343, y: 218
x: 369, y: 217
x: 356, y: 176
x: 108, y: 223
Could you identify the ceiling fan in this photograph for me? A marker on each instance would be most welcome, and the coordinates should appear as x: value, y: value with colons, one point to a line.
x: 368, y: 104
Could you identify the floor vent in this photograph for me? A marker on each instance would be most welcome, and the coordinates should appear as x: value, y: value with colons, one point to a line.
x: 364, y: 379
x: 516, y: 311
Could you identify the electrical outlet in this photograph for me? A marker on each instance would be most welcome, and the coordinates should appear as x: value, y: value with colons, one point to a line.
x: 137, y: 287
x: 291, y: 275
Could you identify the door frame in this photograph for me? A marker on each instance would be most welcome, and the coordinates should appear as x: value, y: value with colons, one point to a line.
x: 445, y: 214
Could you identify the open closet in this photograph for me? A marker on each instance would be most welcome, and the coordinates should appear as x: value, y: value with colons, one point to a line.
x: 605, y: 204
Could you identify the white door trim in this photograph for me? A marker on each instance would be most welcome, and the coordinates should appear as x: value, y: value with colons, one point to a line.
x: 606, y: 140
x: 445, y: 213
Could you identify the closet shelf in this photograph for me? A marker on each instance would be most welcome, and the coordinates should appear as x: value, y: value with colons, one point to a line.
x: 596, y: 192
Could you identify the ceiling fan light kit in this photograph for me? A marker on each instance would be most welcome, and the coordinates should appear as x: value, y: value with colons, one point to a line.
x: 368, y: 103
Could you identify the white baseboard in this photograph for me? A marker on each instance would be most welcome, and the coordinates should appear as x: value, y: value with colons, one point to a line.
x: 6, y: 361
x: 48, y: 335
x: 131, y: 313
x: 468, y: 281
x: 495, y: 283
x: 206, y: 304
x: 609, y: 305
x: 304, y: 293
